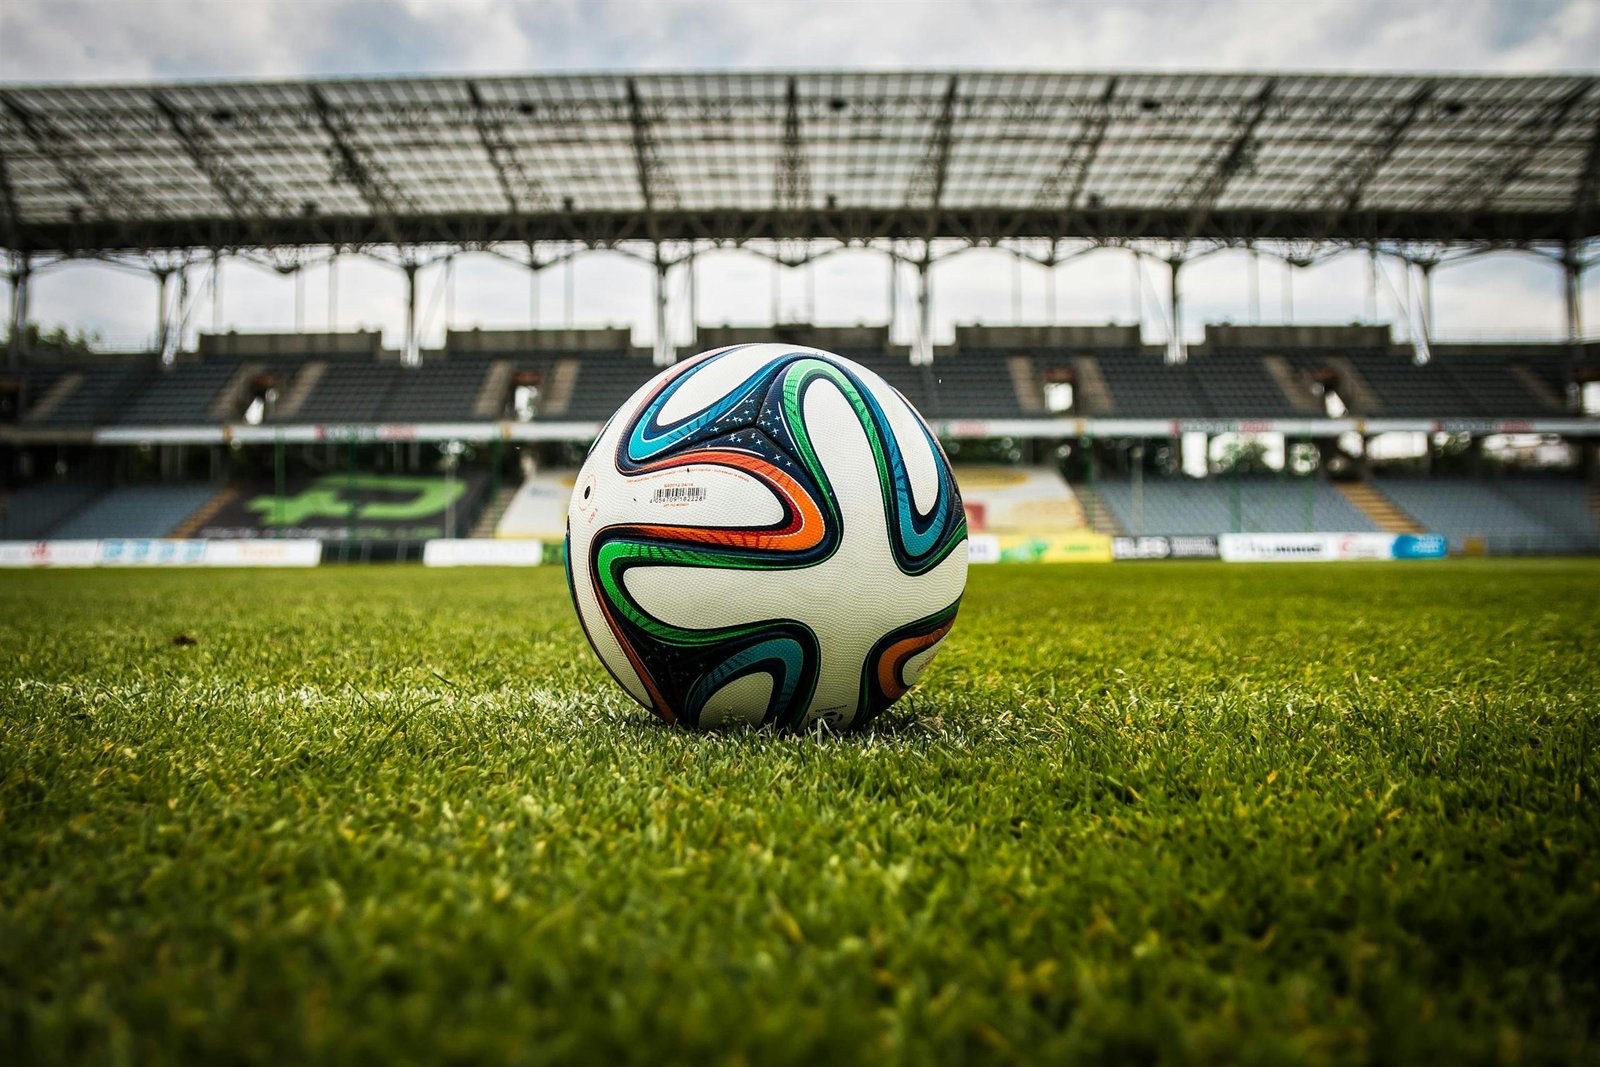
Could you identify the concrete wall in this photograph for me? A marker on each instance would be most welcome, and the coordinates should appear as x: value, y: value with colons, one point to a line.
x: 1110, y: 336
x: 361, y: 344
x: 1352, y: 336
x: 827, y: 338
x: 468, y: 342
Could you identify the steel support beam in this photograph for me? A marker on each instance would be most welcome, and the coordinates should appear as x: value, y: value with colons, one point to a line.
x: 516, y: 186
x: 1204, y: 193
x: 1176, y: 352
x: 383, y: 196
x: 655, y: 187
x: 102, y: 196
x: 233, y: 184
x: 1572, y: 293
x: 663, y: 347
x: 1587, y: 189
x: 1353, y: 174
x: 927, y: 185
x: 10, y: 214
x: 1483, y: 187
x: 17, y: 342
x: 923, y: 352
x: 792, y: 192
x: 163, y: 310
x: 1064, y: 188
x: 411, y: 351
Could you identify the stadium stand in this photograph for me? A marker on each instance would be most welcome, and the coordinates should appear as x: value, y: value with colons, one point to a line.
x: 183, y: 394
x: 435, y: 391
x: 134, y: 511
x: 99, y: 395
x: 30, y: 513
x: 1468, y: 510
x: 1180, y: 505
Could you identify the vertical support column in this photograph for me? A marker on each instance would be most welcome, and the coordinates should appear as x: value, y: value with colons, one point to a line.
x: 333, y: 292
x: 572, y: 288
x: 1288, y: 292
x: 163, y: 320
x: 1016, y: 288
x: 216, y: 290
x: 777, y: 291
x: 1426, y: 266
x: 1571, y: 292
x: 299, y: 298
x: 1050, y: 288
x: 894, y: 291
x: 663, y: 347
x: 409, y: 352
x: 1255, y: 286
x: 17, y: 345
x: 533, y: 286
x: 1372, y: 286
x: 1175, y: 349
x: 923, y: 352
x: 694, y: 300
x: 1138, y: 289
x: 449, y: 294
x: 1422, y: 342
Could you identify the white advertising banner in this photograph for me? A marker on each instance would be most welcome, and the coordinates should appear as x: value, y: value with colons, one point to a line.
x: 152, y: 552
x: 160, y: 552
x: 1321, y: 547
x: 263, y: 552
x: 983, y: 548
x: 49, y: 553
x: 482, y: 553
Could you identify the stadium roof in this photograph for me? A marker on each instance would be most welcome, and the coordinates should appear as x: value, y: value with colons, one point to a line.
x: 606, y: 158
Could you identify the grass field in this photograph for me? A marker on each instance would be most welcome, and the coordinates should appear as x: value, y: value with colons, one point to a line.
x: 1142, y: 812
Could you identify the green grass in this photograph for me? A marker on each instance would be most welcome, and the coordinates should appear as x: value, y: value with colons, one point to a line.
x: 1142, y: 812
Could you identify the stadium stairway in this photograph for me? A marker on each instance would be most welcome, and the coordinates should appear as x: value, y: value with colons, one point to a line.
x: 1096, y: 515
x: 1094, y: 395
x: 1384, y: 513
x: 62, y: 388
x: 301, y: 387
x: 189, y: 526
x: 489, y: 518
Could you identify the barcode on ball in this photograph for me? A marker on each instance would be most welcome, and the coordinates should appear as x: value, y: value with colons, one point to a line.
x: 678, y: 494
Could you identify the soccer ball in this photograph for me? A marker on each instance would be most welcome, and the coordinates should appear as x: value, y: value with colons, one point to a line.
x: 766, y: 534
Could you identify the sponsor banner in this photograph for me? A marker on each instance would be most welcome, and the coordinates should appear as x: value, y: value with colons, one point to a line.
x: 1180, y: 546
x: 1078, y: 546
x: 482, y: 553
x: 983, y: 548
x: 152, y: 552
x: 301, y: 552
x: 353, y: 506
x: 160, y: 552
x: 1421, y: 546
x: 1324, y: 547
x: 49, y: 553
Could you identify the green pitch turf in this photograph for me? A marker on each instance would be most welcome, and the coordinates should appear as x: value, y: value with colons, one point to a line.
x: 1141, y: 812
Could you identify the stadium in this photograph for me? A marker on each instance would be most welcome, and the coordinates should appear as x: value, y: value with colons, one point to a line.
x: 1164, y: 808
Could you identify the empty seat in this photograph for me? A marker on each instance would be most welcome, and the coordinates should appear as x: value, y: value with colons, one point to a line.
x: 1179, y: 505
x: 135, y: 511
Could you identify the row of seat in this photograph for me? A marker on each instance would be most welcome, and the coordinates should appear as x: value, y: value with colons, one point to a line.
x: 978, y: 383
x: 1228, y: 505
x: 71, y: 510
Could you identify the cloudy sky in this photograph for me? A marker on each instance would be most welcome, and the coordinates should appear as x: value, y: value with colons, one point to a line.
x: 139, y: 40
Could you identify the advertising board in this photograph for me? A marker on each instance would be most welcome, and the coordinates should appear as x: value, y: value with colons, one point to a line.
x: 49, y: 553
x: 1177, y: 546
x: 482, y: 553
x: 1329, y: 547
